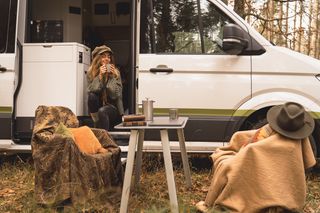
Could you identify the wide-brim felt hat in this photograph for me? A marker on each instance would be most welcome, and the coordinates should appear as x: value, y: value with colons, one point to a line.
x: 290, y: 120
x: 101, y: 49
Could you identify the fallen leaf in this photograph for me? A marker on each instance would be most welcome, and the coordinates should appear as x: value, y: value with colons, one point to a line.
x: 204, y: 189
x: 6, y: 191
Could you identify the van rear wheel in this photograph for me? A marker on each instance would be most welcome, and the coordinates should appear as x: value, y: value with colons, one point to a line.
x: 313, y: 146
x: 260, y: 123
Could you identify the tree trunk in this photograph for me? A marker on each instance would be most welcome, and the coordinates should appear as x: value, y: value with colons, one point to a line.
x: 316, y: 43
x: 268, y: 36
x: 287, y: 24
x: 280, y: 25
x: 294, y: 27
x: 301, y: 30
x: 239, y: 7
x: 270, y: 11
x: 249, y: 10
x: 310, y: 28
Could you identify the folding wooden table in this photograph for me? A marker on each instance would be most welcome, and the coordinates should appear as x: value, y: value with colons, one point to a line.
x: 137, y: 138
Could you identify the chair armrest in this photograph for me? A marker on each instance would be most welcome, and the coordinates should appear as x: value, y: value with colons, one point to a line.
x: 104, y: 138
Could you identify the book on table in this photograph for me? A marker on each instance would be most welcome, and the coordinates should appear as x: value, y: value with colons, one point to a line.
x: 134, y: 123
x: 134, y: 120
x: 133, y: 117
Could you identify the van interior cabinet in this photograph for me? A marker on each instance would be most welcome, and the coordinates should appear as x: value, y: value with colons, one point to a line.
x: 116, y: 12
x: 53, y: 74
x: 67, y: 13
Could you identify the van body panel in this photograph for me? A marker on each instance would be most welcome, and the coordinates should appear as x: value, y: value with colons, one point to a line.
x: 282, y: 85
x: 6, y: 88
x: 292, y: 78
x: 195, y: 78
x: 267, y: 98
x: 283, y: 61
x: 7, y: 60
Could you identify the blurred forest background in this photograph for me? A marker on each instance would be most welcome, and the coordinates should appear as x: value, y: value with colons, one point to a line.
x: 290, y: 23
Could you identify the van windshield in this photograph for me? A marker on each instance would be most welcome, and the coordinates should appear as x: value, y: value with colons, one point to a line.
x: 8, y: 14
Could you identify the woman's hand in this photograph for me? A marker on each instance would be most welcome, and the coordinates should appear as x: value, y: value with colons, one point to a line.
x: 103, y: 69
x: 112, y: 69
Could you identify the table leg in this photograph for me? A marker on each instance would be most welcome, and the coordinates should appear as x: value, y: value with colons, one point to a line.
x: 169, y: 170
x: 128, y: 173
x: 139, y: 158
x: 184, y: 156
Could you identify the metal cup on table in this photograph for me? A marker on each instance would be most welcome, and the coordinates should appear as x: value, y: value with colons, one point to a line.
x: 147, y: 108
x: 173, y: 114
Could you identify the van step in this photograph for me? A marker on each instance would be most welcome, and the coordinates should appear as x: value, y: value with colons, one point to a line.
x: 119, y: 135
x: 191, y: 147
x: 5, y: 144
x: 8, y: 146
x: 148, y: 146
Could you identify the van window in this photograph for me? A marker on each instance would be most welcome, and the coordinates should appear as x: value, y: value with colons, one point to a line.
x: 8, y: 14
x: 181, y: 27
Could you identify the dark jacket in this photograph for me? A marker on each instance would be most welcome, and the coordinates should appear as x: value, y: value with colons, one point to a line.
x: 112, y: 89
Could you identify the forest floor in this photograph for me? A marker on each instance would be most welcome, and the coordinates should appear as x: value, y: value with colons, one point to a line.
x: 17, y: 188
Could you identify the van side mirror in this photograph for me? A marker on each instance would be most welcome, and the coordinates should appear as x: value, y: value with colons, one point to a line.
x: 234, y: 41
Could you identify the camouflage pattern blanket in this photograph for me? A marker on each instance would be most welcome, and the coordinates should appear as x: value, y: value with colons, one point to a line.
x: 63, y: 172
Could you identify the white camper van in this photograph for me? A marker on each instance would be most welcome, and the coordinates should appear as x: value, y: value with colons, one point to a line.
x: 195, y: 55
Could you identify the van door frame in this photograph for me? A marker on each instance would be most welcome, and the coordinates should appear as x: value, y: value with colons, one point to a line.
x: 9, y: 63
x: 134, y: 50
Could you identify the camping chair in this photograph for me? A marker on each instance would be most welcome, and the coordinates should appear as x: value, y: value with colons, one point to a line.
x: 62, y: 171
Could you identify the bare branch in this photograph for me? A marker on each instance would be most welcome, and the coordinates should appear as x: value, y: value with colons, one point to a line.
x: 267, y: 20
x: 284, y: 1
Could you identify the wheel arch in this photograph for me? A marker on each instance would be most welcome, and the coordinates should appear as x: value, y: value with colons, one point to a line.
x: 255, y: 109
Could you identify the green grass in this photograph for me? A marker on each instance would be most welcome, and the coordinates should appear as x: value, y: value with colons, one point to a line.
x: 151, y: 196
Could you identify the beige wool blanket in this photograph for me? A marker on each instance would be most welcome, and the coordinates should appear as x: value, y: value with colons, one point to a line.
x: 257, y: 177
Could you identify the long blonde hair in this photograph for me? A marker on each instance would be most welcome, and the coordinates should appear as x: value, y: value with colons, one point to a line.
x: 94, y: 68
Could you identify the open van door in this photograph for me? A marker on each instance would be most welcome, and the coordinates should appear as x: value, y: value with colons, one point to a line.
x: 8, y: 64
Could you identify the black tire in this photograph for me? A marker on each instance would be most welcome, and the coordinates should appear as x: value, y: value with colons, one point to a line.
x: 313, y: 146
x: 260, y: 123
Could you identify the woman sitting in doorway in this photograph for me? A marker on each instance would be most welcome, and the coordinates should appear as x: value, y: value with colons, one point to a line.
x: 104, y: 89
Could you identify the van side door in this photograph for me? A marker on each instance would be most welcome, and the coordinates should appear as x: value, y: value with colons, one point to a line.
x: 182, y: 65
x: 8, y: 26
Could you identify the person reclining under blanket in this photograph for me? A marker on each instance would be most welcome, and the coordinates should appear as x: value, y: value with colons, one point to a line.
x: 264, y: 170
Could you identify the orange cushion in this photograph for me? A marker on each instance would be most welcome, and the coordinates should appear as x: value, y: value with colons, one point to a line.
x: 86, y: 140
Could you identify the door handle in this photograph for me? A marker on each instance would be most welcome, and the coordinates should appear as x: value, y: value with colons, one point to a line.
x: 2, y: 69
x: 161, y: 69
